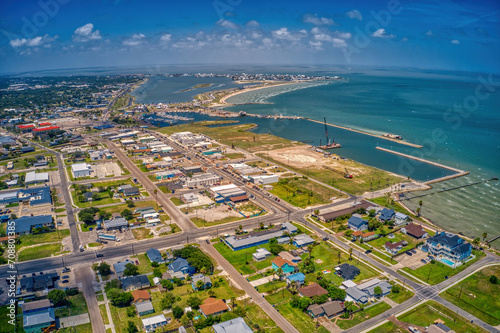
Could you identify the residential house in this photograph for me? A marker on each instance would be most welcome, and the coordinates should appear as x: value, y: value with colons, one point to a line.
x: 394, y: 248
x: 312, y: 290
x: 207, y: 283
x: 448, y: 246
x: 261, y: 254
x: 88, y: 196
x: 80, y: 170
x: 120, y: 267
x: 130, y: 191
x: 140, y: 296
x: 38, y: 316
x: 356, y: 223
x: 369, y: 287
x: 297, y: 277
x: 27, y: 224
x: 155, y: 255
x: 152, y: 323
x: 415, y: 230
x: 368, y: 236
x: 37, y: 283
x: 135, y: 282
x: 438, y: 328
x: 236, y: 325
x: 327, y: 309
x: 347, y: 272
x: 213, y: 307
x: 290, y: 257
x: 181, y: 265
x: 144, y: 308
x: 286, y: 266
x: 386, y: 215
x: 356, y: 295
x: 401, y: 219
x: 302, y: 240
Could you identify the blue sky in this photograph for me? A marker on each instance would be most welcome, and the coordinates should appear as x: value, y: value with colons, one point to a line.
x: 55, y: 34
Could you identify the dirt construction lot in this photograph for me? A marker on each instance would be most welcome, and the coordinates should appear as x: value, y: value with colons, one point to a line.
x: 106, y: 169
x: 215, y: 214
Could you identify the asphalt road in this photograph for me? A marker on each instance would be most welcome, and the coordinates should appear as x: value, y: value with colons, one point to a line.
x: 86, y: 276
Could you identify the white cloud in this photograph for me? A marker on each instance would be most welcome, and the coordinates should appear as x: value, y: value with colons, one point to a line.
x: 381, y: 33
x: 134, y: 40
x: 314, y: 19
x: 253, y: 24
x: 44, y: 41
x: 343, y: 35
x: 323, y: 35
x: 166, y: 38
x: 86, y: 33
x: 354, y: 14
x: 428, y: 33
x: 455, y: 41
x: 283, y: 33
x: 404, y: 39
x: 227, y: 24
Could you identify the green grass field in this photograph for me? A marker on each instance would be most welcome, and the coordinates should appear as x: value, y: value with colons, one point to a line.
x: 403, y: 295
x: 300, y: 320
x: 398, y: 236
x: 361, y: 316
x: 176, y: 201
x: 37, y: 252
x: 435, y: 273
x: 234, y: 156
x: 388, y: 327
x: 427, y: 313
x: 202, y: 223
x: 48, y: 237
x: 304, y: 192
x: 237, y: 258
x: 478, y: 296
x: 104, y: 199
x: 76, y: 305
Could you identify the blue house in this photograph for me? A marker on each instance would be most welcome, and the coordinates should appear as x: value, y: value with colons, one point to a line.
x: 302, y: 240
x: 356, y: 223
x: 387, y: 215
x: 297, y: 277
x: 448, y: 248
x: 155, y: 255
x: 181, y: 265
x: 25, y: 225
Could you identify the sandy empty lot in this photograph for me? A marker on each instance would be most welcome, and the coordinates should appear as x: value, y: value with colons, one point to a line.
x: 102, y: 170
x: 215, y: 214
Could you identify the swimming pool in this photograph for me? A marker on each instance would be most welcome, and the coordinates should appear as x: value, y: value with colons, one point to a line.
x: 449, y: 263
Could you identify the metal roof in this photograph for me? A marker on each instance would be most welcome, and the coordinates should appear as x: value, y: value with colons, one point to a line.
x: 39, y: 318
x: 236, y: 325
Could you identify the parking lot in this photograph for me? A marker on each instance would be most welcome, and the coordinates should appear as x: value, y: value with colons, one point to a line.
x: 102, y: 170
x: 413, y: 262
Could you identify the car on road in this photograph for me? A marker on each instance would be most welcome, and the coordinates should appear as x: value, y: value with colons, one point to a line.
x: 368, y: 251
x: 99, y: 255
x: 325, y: 238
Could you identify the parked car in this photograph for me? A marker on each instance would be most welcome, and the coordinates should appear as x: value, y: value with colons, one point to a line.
x: 423, y: 260
x: 64, y: 281
x: 413, y: 251
x: 66, y: 270
x: 409, y: 253
x: 65, y: 276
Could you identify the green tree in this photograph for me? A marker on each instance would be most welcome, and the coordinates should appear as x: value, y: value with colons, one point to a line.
x: 127, y: 214
x: 304, y: 303
x: 167, y: 284
x: 167, y: 301
x: 95, y: 196
x: 130, y: 270
x: 131, y: 311
x: 493, y: 279
x: 194, y: 302
x: 485, y: 234
x: 155, y: 264
x: 378, y: 291
x: 104, y: 269
x: 395, y: 289
x: 130, y: 203
x: 157, y: 272
x: 57, y: 297
x: 131, y: 328
x: 200, y: 285
x: 177, y: 312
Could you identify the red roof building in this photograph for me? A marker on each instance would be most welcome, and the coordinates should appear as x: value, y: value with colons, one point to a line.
x: 45, y: 129
x: 45, y: 124
x: 26, y: 126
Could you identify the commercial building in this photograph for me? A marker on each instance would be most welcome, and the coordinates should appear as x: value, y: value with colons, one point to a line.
x: 202, y: 179
x: 255, y: 238
x: 35, y: 178
x: 38, y: 196
x: 80, y: 170
x: 26, y: 224
x: 264, y: 179
x: 115, y: 223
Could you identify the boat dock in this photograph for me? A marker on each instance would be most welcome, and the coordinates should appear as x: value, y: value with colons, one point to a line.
x: 371, y: 134
x: 458, y: 173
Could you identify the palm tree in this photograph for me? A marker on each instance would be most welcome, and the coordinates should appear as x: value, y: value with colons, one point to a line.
x: 309, y: 249
x: 485, y: 234
x: 476, y: 242
x: 418, y: 212
x: 279, y: 272
x: 420, y: 203
x: 340, y: 253
x: 350, y: 253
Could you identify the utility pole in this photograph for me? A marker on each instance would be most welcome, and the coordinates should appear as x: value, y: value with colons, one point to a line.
x: 460, y: 294
x: 132, y: 248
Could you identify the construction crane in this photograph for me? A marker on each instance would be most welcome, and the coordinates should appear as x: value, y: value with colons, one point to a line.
x: 347, y: 174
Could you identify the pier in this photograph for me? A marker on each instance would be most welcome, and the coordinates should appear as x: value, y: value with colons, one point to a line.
x: 371, y: 134
x: 493, y: 239
x: 452, y: 188
x: 458, y: 173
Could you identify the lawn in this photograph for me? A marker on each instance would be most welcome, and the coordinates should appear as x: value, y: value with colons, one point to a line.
x: 47, y: 237
x: 104, y: 199
x: 271, y: 287
x: 361, y: 316
x: 398, y: 236
x: 76, y: 305
x: 388, y: 327
x: 5, y: 327
x: 202, y: 223
x: 403, y: 295
x: 301, y: 321
x: 144, y: 263
x: 104, y: 313
x: 176, y: 201
x: 435, y: 273
x: 37, y: 252
x: 478, y: 296
x: 237, y: 258
x: 142, y: 233
x: 302, y: 192
x: 85, y: 328
x: 427, y: 313
x: 234, y: 156
x: 137, y: 204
